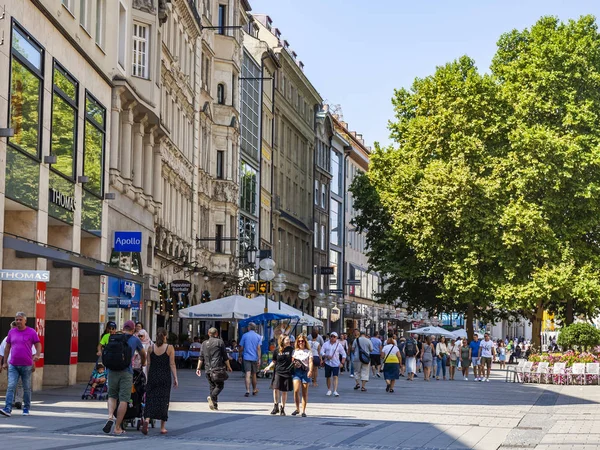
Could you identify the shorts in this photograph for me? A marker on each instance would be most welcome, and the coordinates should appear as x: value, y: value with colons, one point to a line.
x: 282, y: 383
x: 251, y: 366
x: 121, y: 383
x: 361, y: 371
x: 475, y: 361
x: 316, y: 361
x: 301, y: 375
x: 329, y: 371
x: 375, y: 360
x: 486, y: 361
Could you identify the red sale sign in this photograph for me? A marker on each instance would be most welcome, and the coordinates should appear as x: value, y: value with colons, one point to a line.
x: 40, y: 318
x: 74, y: 325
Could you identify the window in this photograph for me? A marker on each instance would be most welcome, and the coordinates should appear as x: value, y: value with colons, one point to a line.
x: 323, y: 196
x: 93, y: 151
x: 122, y: 34
x: 100, y: 22
x: 316, y: 235
x: 64, y: 121
x: 248, y: 188
x: 250, y: 106
x: 334, y: 216
x: 26, y: 83
x: 140, y: 50
x: 317, y: 196
x: 336, y: 180
x: 219, y: 239
x: 85, y: 14
x: 323, y: 237
x: 222, y: 19
x: 220, y: 164
x: 334, y: 261
x: 221, y: 94
x: 68, y: 4
x: 247, y: 230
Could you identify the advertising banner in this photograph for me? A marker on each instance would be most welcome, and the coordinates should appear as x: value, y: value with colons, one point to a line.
x: 40, y: 318
x: 74, y: 325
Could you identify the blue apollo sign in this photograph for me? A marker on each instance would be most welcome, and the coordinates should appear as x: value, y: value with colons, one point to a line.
x: 128, y: 241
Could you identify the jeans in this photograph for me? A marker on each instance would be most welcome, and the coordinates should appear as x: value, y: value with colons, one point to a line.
x: 441, y: 366
x: 350, y: 363
x: 215, y: 388
x: 14, y: 373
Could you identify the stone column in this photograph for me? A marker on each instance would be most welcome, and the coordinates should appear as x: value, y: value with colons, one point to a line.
x: 115, y: 126
x: 138, y: 148
x: 125, y: 150
x: 157, y: 169
x: 148, y: 163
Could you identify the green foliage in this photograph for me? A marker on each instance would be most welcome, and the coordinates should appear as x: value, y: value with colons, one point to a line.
x: 172, y: 338
x: 579, y: 336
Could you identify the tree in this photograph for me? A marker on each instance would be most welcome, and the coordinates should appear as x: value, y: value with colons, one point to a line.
x: 580, y: 336
x: 550, y: 77
x: 430, y: 204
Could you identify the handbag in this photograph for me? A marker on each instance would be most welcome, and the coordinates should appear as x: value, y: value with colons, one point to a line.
x: 219, y: 374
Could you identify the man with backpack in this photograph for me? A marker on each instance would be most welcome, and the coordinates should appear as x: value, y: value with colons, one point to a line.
x: 411, y: 349
x: 117, y: 356
x: 361, y: 350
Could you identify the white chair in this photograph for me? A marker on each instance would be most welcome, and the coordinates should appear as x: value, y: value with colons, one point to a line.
x: 577, y: 369
x: 525, y: 369
x: 513, y: 370
x: 592, y: 369
x: 558, y: 370
x: 541, y: 370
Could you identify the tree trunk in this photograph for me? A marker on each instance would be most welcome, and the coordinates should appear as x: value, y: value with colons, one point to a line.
x: 536, y: 327
x: 569, y: 314
x: 469, y: 322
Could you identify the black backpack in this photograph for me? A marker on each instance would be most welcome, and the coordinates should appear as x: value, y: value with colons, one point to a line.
x: 117, y: 354
x: 410, y: 349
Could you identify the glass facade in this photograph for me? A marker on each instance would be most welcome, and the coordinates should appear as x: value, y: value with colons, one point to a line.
x: 335, y: 222
x: 93, y: 152
x: 334, y: 261
x: 64, y: 121
x: 248, y: 232
x: 248, y: 188
x: 250, y: 106
x: 336, y: 173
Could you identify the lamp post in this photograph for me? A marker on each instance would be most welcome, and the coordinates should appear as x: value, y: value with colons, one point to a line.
x: 266, y: 274
x: 330, y: 306
x: 279, y: 285
x: 340, y: 303
x: 303, y: 294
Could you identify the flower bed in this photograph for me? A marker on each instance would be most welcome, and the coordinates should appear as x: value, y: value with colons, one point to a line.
x: 569, y: 358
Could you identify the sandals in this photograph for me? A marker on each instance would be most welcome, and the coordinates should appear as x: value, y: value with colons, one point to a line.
x: 163, y: 431
x: 255, y: 391
x: 145, y: 428
x: 108, y: 425
x: 121, y: 433
x: 391, y: 390
x: 357, y: 387
x: 303, y: 414
x: 295, y: 413
x: 363, y: 389
x: 247, y: 394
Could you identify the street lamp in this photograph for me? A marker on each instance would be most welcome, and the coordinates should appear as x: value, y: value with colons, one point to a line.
x: 340, y: 303
x: 320, y: 302
x: 303, y: 294
x: 279, y: 285
x: 266, y: 274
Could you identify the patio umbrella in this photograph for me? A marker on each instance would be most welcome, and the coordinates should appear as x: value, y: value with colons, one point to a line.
x: 432, y: 330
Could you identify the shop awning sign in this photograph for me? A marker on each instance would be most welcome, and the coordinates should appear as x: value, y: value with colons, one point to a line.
x: 24, y: 275
x: 128, y: 241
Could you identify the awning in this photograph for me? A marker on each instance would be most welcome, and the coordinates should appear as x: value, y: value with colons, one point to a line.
x: 63, y: 258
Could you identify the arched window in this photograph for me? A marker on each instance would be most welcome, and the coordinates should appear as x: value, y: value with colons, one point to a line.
x: 221, y: 94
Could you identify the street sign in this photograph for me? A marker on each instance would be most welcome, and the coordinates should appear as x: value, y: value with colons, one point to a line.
x: 181, y: 287
x: 353, y: 282
x: 336, y: 291
x: 326, y: 270
x: 128, y: 241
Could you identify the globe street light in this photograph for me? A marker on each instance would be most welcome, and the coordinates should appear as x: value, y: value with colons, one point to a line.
x: 266, y: 274
x: 279, y: 285
x: 303, y: 294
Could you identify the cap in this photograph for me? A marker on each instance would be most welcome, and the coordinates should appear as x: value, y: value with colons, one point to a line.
x: 129, y: 325
x: 111, y: 325
x: 333, y: 334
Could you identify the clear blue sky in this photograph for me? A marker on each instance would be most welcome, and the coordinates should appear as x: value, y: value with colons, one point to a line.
x: 357, y: 52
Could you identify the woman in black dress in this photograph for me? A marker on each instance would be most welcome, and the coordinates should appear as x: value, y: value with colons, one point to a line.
x: 284, y: 370
x: 161, y: 365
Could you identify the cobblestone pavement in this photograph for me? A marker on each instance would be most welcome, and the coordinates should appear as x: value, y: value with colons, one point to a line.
x: 418, y: 415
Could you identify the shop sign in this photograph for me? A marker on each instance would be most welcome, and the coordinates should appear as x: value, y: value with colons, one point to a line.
x: 128, y: 241
x: 123, y: 293
x: 24, y: 275
x: 181, y: 287
x: 40, y: 318
x: 62, y: 200
x: 74, y: 325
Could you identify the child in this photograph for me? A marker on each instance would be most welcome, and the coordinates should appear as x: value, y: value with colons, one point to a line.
x: 98, y: 377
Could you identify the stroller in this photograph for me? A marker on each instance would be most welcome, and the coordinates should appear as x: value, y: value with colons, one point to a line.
x: 100, y: 390
x: 135, y: 410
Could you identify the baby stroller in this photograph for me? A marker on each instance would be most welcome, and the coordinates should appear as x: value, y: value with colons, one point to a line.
x: 100, y: 391
x: 135, y: 411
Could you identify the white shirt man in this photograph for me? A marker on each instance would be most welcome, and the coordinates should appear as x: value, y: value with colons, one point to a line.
x: 334, y: 356
x: 486, y: 353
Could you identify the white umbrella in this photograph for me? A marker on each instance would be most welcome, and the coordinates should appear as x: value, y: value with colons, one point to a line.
x: 305, y: 319
x: 432, y: 331
x: 462, y: 333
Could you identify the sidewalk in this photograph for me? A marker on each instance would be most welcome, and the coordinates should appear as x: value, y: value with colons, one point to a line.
x: 419, y: 415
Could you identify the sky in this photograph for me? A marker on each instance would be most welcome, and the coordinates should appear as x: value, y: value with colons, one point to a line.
x: 357, y: 52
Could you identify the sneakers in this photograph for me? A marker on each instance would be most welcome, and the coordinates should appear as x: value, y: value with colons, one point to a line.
x: 466, y: 379
x: 480, y: 380
x: 378, y: 375
x: 5, y: 412
x: 211, y: 404
x: 351, y: 376
x: 25, y: 411
x: 335, y: 394
x: 487, y: 380
x: 328, y: 393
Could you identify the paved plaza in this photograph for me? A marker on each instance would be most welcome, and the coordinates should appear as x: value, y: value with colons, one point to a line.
x: 419, y: 415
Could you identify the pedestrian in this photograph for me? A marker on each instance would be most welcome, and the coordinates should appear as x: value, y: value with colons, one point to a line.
x: 502, y: 355
x: 454, y: 355
x: 250, y: 354
x: 303, y: 366
x: 213, y: 355
x: 282, y: 381
x: 420, y: 341
x: 18, y: 401
x: 316, y: 344
x: 344, y: 344
x: 139, y: 326
x: 486, y: 353
x: 117, y: 358
x: 19, y: 359
x: 401, y: 346
x: 427, y: 353
x: 474, y: 347
x: 111, y: 328
x: 362, y: 349
x: 333, y: 356
x: 390, y: 356
x: 161, y: 373
x: 411, y: 349
x: 441, y: 350
x: 142, y: 335
x: 465, y: 358
x: 376, y: 354
x: 350, y: 359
